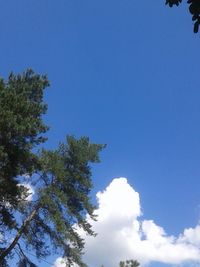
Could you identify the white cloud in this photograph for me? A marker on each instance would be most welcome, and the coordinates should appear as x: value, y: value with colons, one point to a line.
x: 122, y: 234
x: 60, y: 262
x: 191, y: 236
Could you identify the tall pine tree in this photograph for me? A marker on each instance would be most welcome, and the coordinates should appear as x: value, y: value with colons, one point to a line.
x: 61, y: 178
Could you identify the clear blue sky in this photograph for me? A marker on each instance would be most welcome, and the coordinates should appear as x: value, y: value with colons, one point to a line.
x: 124, y: 73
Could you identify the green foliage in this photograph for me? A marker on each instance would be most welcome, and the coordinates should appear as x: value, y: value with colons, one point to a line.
x: 61, y: 177
x: 194, y: 9
x: 63, y: 198
x: 129, y: 263
x: 21, y: 129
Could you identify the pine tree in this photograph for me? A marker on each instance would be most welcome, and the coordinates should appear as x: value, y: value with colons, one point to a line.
x: 21, y: 130
x: 129, y: 263
x: 61, y: 178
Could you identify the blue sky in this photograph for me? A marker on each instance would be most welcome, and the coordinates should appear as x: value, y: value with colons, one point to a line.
x: 124, y: 73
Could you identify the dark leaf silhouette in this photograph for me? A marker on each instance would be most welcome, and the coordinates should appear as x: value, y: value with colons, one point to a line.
x: 194, y: 9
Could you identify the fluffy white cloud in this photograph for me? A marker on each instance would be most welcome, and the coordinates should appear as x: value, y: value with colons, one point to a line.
x: 191, y: 236
x: 122, y: 234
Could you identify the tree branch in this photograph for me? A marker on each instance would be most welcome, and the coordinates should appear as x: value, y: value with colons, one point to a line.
x: 21, y: 230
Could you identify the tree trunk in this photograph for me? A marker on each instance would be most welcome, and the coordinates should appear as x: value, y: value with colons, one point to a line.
x: 7, y: 250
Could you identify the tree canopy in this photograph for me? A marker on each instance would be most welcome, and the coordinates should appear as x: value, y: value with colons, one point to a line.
x: 194, y: 9
x: 61, y: 178
x: 129, y: 263
x: 21, y: 130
